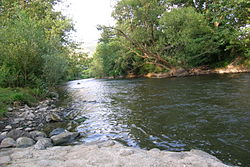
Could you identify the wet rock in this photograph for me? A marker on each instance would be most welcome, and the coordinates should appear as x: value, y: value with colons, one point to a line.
x: 24, y: 142
x: 8, y: 142
x: 57, y: 131
x: 64, y: 138
x: 37, y: 135
x: 43, y: 143
x: 15, y: 134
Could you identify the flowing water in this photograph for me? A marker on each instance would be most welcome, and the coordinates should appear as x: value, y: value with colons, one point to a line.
x: 211, y: 113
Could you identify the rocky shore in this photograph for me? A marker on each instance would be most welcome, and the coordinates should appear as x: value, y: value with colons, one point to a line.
x: 108, y: 154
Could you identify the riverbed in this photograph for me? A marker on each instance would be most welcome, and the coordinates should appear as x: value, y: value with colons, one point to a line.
x: 210, y: 113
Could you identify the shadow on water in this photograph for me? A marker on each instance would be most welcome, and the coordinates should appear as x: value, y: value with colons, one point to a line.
x: 211, y: 113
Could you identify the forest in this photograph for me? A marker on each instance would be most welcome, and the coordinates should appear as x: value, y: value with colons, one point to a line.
x: 162, y: 35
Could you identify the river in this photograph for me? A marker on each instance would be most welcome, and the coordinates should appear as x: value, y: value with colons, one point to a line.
x: 210, y: 112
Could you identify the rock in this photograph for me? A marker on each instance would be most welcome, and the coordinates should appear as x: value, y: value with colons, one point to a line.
x: 10, y: 109
x: 8, y: 127
x: 43, y: 143
x: 8, y: 142
x: 57, y: 131
x: 4, y: 133
x: 2, y: 137
x: 15, y: 134
x: 127, y: 152
x: 28, y: 129
x: 30, y: 116
x: 24, y: 142
x: 5, y: 160
x: 48, y: 118
x: 37, y: 135
x: 106, y: 144
x: 64, y: 138
x: 55, y: 117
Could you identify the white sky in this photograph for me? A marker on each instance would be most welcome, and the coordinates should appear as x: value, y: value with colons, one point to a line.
x: 86, y: 15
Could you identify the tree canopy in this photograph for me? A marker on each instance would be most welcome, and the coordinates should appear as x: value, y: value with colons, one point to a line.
x: 162, y: 35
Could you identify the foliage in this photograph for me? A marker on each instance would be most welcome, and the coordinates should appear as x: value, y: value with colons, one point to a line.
x: 162, y: 35
x: 190, y: 37
x: 34, y: 44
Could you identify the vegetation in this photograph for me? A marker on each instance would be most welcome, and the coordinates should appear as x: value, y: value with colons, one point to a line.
x: 36, y: 51
x: 162, y: 35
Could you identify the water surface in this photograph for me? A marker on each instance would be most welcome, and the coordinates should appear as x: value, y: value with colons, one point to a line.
x: 211, y: 113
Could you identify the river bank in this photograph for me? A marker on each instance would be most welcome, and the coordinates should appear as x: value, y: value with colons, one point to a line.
x: 107, y: 154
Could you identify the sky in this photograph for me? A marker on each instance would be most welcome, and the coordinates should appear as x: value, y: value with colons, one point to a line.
x: 86, y: 15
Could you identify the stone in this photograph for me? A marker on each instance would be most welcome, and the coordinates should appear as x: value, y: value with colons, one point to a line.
x: 37, y: 134
x: 4, y: 133
x: 43, y: 143
x: 8, y: 127
x: 57, y: 131
x: 2, y: 137
x: 15, y: 134
x: 24, y: 142
x: 108, y: 143
x: 64, y: 138
x: 8, y: 142
x: 10, y: 109
x: 55, y: 117
x: 127, y: 152
x: 28, y: 129
x: 5, y: 160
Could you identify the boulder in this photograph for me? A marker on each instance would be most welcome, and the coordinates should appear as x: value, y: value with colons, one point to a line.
x: 24, y: 142
x: 43, y: 143
x: 15, y: 134
x: 8, y: 142
x: 64, y: 138
x: 57, y: 131
x: 37, y: 135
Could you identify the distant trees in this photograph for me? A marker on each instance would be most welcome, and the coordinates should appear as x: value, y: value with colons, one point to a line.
x: 34, y: 44
x: 161, y: 35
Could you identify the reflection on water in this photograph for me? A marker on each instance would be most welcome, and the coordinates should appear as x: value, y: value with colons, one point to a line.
x: 210, y: 113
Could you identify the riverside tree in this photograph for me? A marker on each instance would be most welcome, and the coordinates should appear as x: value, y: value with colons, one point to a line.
x: 163, y: 35
x: 34, y: 44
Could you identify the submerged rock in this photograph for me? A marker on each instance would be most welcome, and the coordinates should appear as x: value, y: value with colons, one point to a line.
x: 24, y: 142
x: 64, y: 138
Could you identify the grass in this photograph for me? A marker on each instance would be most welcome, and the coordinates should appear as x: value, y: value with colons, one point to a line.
x: 21, y: 95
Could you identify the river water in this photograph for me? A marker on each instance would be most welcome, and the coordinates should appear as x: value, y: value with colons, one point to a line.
x: 210, y: 113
